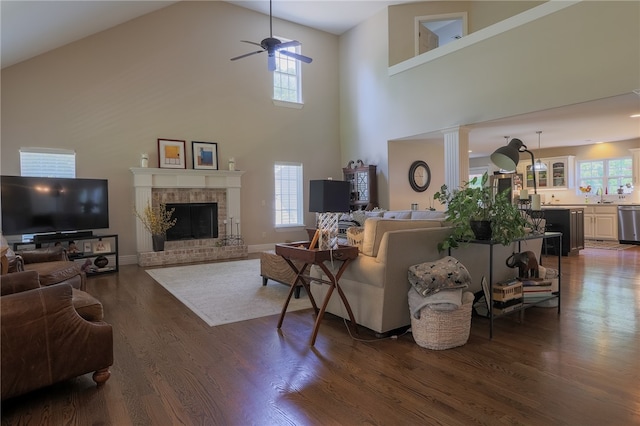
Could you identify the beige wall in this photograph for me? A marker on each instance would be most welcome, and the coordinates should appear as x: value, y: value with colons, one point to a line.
x: 110, y: 97
x: 401, y: 155
x: 480, y: 14
x: 554, y: 61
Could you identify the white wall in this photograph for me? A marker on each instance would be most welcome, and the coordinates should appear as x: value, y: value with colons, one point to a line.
x: 110, y: 97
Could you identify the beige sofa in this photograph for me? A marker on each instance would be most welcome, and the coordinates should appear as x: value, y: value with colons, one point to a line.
x: 376, y: 283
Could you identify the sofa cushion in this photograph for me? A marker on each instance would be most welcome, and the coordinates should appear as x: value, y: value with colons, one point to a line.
x: 400, y: 214
x: 374, y: 229
x: 428, y: 214
x: 54, y: 272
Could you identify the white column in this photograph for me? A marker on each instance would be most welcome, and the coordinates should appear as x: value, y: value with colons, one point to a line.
x: 456, y: 156
x: 143, y: 237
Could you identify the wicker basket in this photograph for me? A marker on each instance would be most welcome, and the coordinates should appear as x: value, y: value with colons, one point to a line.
x: 443, y: 329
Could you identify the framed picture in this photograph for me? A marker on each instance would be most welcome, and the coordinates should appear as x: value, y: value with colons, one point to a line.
x: 101, y: 247
x: 171, y: 154
x: 205, y: 155
x: 86, y: 247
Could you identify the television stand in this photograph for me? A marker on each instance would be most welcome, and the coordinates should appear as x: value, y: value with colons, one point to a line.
x: 89, y: 248
x: 60, y: 236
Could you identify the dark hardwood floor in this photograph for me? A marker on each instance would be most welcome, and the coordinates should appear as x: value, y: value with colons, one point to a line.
x: 582, y: 368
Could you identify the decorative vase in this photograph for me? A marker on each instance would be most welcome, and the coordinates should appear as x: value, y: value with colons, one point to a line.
x: 101, y: 261
x: 481, y: 229
x: 158, y: 242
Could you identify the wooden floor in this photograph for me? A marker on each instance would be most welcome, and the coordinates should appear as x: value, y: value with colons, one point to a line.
x: 582, y: 368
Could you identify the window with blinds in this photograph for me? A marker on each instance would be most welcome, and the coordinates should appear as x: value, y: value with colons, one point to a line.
x: 288, y: 194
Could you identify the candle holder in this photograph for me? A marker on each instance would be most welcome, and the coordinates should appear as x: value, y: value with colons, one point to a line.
x: 536, y: 217
x: 232, y: 239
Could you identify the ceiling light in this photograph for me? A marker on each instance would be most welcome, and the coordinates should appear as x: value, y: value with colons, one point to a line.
x: 635, y: 116
x: 539, y: 166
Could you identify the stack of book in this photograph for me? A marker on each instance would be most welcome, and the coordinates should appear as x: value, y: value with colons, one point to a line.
x: 507, y: 296
x: 535, y: 290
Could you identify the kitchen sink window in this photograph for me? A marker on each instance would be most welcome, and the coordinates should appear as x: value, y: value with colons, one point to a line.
x: 613, y: 176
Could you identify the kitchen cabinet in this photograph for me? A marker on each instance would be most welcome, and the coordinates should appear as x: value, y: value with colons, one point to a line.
x: 570, y: 222
x: 601, y: 222
x: 559, y: 174
x: 364, y: 186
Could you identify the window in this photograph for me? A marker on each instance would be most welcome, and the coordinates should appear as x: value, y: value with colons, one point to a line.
x: 47, y: 162
x: 288, y: 194
x: 286, y: 77
x: 608, y: 175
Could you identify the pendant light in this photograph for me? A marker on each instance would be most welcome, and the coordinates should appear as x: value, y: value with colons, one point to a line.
x: 539, y: 166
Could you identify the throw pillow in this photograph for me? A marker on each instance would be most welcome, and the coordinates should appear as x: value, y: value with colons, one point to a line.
x: 431, y: 277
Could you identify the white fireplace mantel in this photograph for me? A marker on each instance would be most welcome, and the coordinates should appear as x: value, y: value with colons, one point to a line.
x: 145, y: 179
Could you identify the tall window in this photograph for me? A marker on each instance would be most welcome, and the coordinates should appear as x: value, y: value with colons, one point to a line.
x: 286, y: 77
x: 47, y: 162
x: 288, y: 194
x: 606, y: 174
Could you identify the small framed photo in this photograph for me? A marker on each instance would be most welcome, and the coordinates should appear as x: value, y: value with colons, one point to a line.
x: 205, y: 155
x: 86, y: 247
x: 171, y: 154
x: 101, y: 247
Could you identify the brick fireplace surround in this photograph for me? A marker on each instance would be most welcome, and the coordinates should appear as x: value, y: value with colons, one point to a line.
x: 188, y: 186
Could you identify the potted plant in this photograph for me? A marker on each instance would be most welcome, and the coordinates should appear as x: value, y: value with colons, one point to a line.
x: 157, y: 220
x: 473, y: 206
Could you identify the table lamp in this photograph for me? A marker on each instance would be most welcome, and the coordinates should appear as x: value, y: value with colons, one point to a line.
x: 329, y: 198
x: 507, y: 158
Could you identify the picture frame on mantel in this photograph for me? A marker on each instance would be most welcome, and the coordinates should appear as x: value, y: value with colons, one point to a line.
x: 205, y: 155
x: 171, y: 154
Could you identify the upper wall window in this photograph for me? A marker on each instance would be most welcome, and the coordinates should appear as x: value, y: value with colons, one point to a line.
x: 287, y: 84
x: 47, y: 162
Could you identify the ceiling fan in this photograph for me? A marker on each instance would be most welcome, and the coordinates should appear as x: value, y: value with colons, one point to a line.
x: 271, y: 45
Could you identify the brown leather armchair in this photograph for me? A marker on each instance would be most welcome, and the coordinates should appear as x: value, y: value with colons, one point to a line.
x: 53, y: 266
x: 45, y: 340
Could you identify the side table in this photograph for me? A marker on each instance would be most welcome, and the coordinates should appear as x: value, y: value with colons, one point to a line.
x: 300, y: 253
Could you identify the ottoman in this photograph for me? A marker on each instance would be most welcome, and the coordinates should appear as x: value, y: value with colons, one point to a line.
x: 273, y: 267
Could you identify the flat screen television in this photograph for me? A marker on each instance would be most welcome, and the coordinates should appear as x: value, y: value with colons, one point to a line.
x: 34, y: 205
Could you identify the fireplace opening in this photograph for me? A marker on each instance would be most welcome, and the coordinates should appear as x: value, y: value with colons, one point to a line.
x: 194, y: 221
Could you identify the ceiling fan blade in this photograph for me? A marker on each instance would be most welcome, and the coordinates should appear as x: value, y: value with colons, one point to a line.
x: 297, y: 56
x: 251, y: 42
x: 292, y: 43
x: 247, y: 54
x: 271, y: 63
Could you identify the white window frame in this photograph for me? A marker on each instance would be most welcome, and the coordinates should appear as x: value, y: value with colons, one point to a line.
x: 293, y: 181
x: 293, y: 64
x: 606, y: 175
x: 47, y: 162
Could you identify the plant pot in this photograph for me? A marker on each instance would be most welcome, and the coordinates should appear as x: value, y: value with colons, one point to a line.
x: 158, y: 242
x: 481, y: 229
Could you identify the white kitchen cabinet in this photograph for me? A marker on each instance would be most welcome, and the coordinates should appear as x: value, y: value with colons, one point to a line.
x: 559, y: 174
x: 601, y: 222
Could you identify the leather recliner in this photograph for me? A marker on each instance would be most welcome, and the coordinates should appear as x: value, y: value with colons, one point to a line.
x: 53, y: 266
x: 45, y: 339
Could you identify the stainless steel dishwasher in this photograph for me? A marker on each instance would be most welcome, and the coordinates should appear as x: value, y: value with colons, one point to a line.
x: 629, y: 224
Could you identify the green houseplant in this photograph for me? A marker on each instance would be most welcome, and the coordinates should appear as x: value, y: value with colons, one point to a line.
x: 475, y: 202
x: 157, y: 220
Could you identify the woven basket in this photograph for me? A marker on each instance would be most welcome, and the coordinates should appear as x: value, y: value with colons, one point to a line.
x: 443, y: 329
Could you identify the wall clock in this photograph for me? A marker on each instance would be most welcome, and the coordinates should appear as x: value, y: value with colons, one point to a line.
x: 419, y: 176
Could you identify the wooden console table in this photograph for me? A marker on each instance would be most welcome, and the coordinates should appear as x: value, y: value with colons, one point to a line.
x: 300, y: 253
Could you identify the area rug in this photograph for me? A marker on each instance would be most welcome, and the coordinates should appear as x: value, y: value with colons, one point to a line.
x: 606, y: 245
x: 226, y: 292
